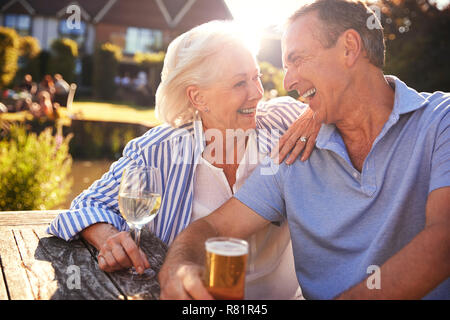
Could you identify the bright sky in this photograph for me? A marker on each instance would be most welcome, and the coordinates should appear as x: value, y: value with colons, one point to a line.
x: 262, y: 13
x: 255, y: 15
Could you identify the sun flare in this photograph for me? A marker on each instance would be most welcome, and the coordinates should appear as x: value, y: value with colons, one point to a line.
x: 254, y: 16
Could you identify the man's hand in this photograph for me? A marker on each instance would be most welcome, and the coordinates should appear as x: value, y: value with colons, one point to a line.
x: 117, y: 250
x: 304, y: 126
x: 181, y: 274
x: 183, y: 282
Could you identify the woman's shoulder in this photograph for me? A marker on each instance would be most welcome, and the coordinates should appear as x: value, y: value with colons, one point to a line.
x: 162, y: 134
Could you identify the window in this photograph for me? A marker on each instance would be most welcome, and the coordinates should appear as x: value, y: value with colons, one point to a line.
x: 20, y: 22
x: 143, y: 40
x: 76, y: 34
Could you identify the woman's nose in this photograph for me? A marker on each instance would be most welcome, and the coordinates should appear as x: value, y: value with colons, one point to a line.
x: 257, y: 91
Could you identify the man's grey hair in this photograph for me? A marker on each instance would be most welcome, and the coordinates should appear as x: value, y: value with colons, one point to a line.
x: 337, y: 16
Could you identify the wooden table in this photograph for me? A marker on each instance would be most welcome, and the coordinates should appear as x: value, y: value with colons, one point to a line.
x: 36, y: 265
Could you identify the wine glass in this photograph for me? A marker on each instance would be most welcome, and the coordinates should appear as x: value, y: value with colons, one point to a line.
x: 139, y: 202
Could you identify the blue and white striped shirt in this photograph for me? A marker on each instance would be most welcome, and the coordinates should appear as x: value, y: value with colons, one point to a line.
x: 175, y: 151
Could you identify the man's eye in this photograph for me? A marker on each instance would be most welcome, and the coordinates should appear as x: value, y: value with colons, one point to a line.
x: 240, y: 84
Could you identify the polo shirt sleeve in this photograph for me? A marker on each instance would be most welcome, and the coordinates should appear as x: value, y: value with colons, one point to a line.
x: 440, y: 161
x: 262, y: 191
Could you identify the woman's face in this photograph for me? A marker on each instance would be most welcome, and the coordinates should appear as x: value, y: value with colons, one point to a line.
x: 232, y: 99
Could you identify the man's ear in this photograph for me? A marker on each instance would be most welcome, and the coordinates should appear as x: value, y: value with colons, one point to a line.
x: 195, y: 97
x: 352, y: 45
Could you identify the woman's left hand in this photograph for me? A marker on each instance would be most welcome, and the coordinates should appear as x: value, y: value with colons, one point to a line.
x: 301, y: 136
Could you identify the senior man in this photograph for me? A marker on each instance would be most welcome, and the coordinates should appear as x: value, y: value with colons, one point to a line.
x: 375, y: 192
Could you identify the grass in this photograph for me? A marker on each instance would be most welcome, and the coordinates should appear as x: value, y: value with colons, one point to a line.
x: 100, y: 111
x: 115, y: 112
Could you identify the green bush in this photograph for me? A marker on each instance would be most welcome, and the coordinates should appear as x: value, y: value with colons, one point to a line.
x: 9, y: 54
x: 64, y: 53
x: 34, y: 170
x: 105, y: 69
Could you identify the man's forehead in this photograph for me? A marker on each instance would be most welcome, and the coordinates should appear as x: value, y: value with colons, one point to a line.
x: 298, y: 33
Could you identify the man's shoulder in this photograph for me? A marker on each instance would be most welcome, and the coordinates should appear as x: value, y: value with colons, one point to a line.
x: 438, y: 98
x: 437, y: 106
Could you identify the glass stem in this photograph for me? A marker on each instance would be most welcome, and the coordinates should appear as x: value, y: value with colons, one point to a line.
x: 136, y: 234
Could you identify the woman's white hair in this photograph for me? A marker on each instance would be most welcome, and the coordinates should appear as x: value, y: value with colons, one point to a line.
x: 192, y: 59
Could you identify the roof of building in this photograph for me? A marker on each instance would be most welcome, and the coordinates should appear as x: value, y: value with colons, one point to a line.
x: 171, y: 14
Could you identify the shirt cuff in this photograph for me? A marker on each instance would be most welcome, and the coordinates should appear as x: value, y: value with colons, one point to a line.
x: 67, y: 225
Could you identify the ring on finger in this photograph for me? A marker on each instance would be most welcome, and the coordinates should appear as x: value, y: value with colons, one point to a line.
x: 303, y: 139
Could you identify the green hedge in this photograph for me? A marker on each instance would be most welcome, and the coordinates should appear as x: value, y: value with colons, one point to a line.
x: 105, y: 69
x: 34, y: 170
x: 9, y: 54
x: 63, y: 55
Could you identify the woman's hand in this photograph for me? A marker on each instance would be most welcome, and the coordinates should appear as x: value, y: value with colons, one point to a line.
x: 182, y: 282
x: 304, y: 127
x: 117, y: 250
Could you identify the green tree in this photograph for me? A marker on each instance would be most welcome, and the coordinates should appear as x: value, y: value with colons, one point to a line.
x: 417, y: 46
x: 9, y: 54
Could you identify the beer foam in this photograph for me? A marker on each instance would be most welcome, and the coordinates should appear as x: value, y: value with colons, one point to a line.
x: 227, y: 248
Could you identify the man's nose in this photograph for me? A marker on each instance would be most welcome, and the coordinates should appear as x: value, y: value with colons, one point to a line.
x: 289, y: 81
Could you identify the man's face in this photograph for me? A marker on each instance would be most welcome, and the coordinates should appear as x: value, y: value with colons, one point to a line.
x: 316, y: 73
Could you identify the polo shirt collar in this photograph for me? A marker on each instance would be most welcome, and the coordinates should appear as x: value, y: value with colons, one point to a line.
x: 406, y: 99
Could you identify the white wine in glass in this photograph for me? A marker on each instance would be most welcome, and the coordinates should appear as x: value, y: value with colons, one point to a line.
x: 139, y: 202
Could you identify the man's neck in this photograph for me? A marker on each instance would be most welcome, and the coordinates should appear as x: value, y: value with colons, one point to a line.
x: 366, y: 110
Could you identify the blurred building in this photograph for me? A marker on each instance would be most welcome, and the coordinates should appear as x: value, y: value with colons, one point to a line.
x: 134, y: 25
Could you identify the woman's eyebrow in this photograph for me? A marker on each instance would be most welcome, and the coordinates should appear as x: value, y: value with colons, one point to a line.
x: 244, y: 74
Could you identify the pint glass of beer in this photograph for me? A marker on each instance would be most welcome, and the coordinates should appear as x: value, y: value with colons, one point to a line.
x: 226, y: 263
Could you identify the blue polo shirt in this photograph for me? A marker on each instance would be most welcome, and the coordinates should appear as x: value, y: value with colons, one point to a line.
x: 342, y: 221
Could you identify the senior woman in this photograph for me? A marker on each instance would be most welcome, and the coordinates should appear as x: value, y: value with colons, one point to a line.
x: 210, y: 86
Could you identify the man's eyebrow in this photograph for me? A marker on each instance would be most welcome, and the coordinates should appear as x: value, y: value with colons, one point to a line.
x: 242, y: 74
x: 291, y: 55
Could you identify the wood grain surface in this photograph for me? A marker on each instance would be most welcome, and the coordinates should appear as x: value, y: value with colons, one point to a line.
x: 39, y: 266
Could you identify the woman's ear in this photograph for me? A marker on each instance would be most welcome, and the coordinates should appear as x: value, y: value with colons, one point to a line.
x: 196, y: 98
